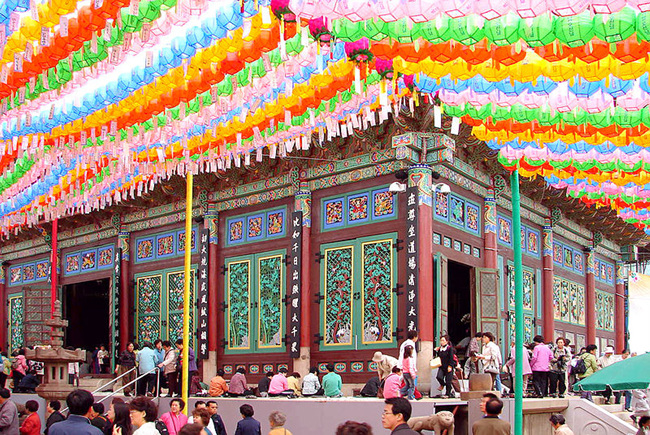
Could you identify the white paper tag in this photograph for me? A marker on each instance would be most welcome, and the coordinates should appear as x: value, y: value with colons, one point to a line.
x: 18, y: 62
x: 266, y: 15
x: 14, y: 22
x: 29, y: 51
x: 63, y: 26
x: 437, y: 117
x: 455, y: 125
x: 45, y: 36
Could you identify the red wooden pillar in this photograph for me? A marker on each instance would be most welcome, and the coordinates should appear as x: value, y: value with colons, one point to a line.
x: 123, y: 240
x: 212, y: 220
x: 548, y: 315
x: 619, y: 304
x: 590, y: 299
x: 490, y: 247
x: 302, y: 202
x: 3, y: 307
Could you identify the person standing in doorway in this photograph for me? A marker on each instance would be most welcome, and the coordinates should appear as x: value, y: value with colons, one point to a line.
x: 446, y: 371
x: 168, y: 366
x: 126, y: 362
x: 491, y: 356
x: 540, y: 363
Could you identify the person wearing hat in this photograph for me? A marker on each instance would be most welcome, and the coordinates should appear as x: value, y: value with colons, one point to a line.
x: 385, y: 364
x: 605, y: 361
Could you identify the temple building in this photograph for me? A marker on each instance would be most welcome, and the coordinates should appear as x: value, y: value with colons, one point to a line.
x: 326, y: 254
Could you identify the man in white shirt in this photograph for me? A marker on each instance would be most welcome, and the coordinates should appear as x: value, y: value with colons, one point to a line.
x: 605, y: 361
x: 411, y: 339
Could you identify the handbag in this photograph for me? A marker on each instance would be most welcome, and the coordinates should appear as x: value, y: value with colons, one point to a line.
x: 435, y: 363
x: 492, y: 368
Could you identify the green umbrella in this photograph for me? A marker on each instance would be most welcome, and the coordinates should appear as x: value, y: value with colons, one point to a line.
x: 630, y: 374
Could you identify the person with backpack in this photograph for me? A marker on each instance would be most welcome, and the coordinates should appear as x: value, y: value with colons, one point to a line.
x: 585, y: 366
x: 19, y: 367
x: 557, y: 374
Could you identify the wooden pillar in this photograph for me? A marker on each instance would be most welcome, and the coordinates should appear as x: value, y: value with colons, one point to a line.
x: 619, y: 307
x: 548, y: 315
x: 212, y: 219
x: 3, y: 308
x: 490, y: 247
x: 302, y: 202
x: 123, y: 243
x: 419, y: 175
x: 590, y: 299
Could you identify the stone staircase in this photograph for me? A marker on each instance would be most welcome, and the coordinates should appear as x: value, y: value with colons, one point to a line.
x: 92, y: 383
x: 614, y: 409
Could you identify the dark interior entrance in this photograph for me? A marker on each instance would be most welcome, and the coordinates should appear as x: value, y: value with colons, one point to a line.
x: 86, y: 308
x: 459, y: 300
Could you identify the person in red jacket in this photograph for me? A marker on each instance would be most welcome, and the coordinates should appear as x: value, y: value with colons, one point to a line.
x: 32, y: 424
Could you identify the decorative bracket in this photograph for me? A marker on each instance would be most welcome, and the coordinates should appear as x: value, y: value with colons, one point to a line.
x: 318, y: 256
x: 398, y: 244
x: 397, y: 288
x: 318, y: 338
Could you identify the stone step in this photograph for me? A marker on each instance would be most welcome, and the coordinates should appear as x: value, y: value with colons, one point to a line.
x: 613, y: 408
x: 92, y: 384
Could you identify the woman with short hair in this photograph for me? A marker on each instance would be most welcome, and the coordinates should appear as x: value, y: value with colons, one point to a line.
x: 175, y: 419
x: 143, y: 416
x: 277, y: 420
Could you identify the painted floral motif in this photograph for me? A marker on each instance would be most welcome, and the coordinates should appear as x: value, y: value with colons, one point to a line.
x: 568, y: 301
x: 356, y: 367
x: 270, y: 272
x: 377, y: 292
x: 603, y: 271
x: 533, y: 242
x: 568, y: 257
x: 105, y: 257
x: 16, y: 318
x: 71, y: 263
x: 529, y: 289
x: 358, y: 208
x: 181, y: 241
x: 340, y: 367
x: 165, y: 245
x: 580, y: 302
x: 457, y: 208
x: 275, y: 223
x: 334, y: 212
x: 236, y: 231
x: 523, y: 239
x: 383, y: 202
x: 604, y: 310
x: 472, y: 218
x: 442, y: 205
x: 15, y: 274
x: 42, y: 269
x: 254, y: 369
x: 505, y: 230
x: 145, y: 249
x: 28, y: 273
x: 239, y: 305
x: 254, y: 227
x: 557, y: 300
x: 88, y: 260
x: 557, y: 253
x: 578, y: 262
x: 338, y: 296
x: 610, y: 273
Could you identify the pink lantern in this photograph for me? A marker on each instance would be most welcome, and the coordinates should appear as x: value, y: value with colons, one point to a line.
x: 530, y: 8
x: 598, y: 102
x: 565, y: 8
x: 531, y: 100
x: 281, y: 10
x: 642, y: 5
x: 607, y: 6
x: 388, y: 10
x: 421, y: 11
x: 359, y: 51
x: 355, y: 10
x: 491, y: 9
x: 562, y: 99
x: 304, y: 8
x: 634, y: 100
x: 503, y: 100
x: 457, y: 8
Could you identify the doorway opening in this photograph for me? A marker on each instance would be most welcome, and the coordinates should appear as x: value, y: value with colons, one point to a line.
x: 87, y: 310
x: 459, y: 301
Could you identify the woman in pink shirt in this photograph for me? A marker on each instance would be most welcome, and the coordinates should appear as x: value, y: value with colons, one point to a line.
x: 540, y: 365
x: 175, y: 419
x: 393, y: 383
x: 279, y: 385
x: 526, y: 365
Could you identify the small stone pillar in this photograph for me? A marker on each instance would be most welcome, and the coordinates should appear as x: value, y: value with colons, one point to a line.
x: 55, y: 384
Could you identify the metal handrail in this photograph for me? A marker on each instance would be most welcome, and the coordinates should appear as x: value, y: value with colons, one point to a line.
x: 113, y: 380
x: 119, y: 390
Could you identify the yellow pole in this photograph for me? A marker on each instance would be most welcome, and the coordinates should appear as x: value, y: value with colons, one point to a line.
x: 187, y: 303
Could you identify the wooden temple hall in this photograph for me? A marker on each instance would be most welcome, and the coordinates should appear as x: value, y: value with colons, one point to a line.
x: 319, y: 257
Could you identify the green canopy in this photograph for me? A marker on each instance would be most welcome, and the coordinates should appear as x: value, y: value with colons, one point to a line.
x: 629, y: 374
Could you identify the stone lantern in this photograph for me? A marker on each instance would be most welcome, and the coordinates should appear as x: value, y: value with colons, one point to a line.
x: 55, y: 384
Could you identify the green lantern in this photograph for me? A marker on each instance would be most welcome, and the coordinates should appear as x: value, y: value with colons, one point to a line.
x: 643, y: 26
x: 575, y: 30
x: 537, y: 31
x: 467, y: 30
x: 348, y: 31
x: 615, y: 27
x: 438, y: 30
x: 627, y: 119
x: 402, y: 31
x: 503, y: 30
x: 374, y: 29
